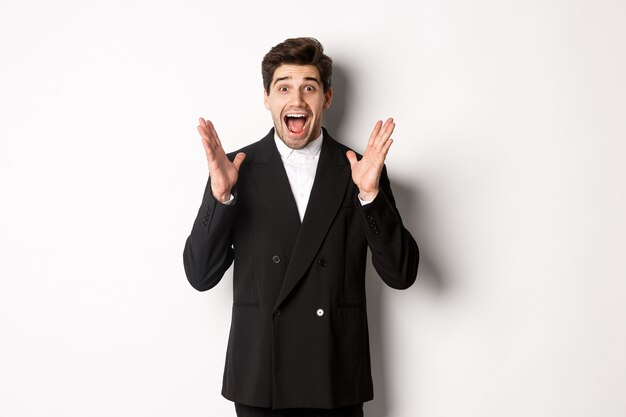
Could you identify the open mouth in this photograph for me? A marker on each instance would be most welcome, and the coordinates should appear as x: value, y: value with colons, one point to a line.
x: 296, y: 122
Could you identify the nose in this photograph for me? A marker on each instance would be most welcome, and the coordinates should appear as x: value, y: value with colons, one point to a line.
x: 297, y: 98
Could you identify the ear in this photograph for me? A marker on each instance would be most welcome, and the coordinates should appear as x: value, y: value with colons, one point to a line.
x: 328, y: 98
x: 266, y: 99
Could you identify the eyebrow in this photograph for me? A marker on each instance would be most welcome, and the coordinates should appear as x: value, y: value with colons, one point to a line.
x: 289, y: 78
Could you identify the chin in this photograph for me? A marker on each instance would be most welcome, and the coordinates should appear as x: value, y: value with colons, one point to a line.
x: 297, y: 142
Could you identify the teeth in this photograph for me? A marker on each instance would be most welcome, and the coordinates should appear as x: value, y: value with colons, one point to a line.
x: 295, y: 115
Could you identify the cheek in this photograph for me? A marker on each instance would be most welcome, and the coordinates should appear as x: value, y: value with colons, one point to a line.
x: 276, y: 106
x: 315, y: 103
x: 276, y: 113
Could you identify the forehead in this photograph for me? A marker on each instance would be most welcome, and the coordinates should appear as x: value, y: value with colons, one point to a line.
x: 295, y: 72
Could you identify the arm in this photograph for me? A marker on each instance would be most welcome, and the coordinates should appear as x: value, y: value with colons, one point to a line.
x: 208, y: 250
x: 395, y: 255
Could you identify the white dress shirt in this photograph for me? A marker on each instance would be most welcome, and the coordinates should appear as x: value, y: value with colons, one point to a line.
x: 300, y: 166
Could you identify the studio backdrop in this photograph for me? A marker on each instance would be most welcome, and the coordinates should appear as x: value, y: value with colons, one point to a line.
x: 508, y: 166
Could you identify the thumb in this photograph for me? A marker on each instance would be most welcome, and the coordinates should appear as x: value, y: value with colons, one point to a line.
x: 351, y: 158
x: 239, y: 159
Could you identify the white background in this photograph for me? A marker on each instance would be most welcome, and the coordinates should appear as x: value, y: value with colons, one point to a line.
x: 508, y: 166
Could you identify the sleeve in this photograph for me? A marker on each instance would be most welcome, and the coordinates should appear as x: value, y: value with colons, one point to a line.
x: 208, y: 250
x: 395, y: 254
x: 363, y: 202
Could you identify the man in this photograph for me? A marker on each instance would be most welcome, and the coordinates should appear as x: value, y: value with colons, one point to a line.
x: 296, y: 212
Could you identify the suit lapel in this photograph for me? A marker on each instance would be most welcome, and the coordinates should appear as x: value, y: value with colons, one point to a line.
x: 329, y: 187
x: 275, y: 191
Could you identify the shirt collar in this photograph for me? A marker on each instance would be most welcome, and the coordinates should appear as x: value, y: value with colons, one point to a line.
x: 310, y: 150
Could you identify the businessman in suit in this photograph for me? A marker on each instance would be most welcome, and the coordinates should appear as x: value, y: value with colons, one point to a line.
x: 295, y: 212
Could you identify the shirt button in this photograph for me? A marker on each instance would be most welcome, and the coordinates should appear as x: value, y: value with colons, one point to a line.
x: 320, y: 312
x: 276, y: 259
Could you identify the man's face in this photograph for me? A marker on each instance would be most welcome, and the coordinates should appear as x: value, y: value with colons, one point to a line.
x: 297, y: 102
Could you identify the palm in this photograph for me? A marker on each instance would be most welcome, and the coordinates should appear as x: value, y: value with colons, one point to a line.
x: 223, y: 173
x: 366, y: 172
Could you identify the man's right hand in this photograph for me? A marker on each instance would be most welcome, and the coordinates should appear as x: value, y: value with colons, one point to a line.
x: 222, y: 172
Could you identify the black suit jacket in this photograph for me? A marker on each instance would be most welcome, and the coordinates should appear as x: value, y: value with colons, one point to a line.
x: 299, y: 336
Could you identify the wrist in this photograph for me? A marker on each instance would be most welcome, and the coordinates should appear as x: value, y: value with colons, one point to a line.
x: 222, y: 198
x: 368, y: 195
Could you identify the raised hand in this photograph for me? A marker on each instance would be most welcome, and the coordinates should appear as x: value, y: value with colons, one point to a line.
x: 366, y: 172
x: 223, y: 173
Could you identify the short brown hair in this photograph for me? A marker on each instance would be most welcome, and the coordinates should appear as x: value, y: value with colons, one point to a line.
x: 297, y: 51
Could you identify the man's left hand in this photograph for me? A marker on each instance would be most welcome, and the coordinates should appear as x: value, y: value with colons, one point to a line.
x: 366, y: 172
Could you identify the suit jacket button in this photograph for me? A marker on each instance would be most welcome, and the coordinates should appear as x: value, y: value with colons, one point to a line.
x: 322, y: 262
x: 320, y: 312
x: 276, y: 313
x: 276, y: 259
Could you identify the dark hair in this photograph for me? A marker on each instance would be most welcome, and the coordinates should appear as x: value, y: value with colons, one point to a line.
x: 297, y: 51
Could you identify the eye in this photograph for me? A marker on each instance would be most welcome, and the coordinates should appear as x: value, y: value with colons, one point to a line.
x: 309, y: 88
x: 282, y: 88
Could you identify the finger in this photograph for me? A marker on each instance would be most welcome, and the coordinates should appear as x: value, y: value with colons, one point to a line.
x: 385, y: 148
x: 385, y: 133
x: 387, y: 128
x: 204, y: 124
x: 214, y: 134
x: 205, y: 136
x: 351, y: 158
x: 203, y: 133
x: 374, y: 134
x: 209, y: 136
x: 207, y: 149
x: 239, y: 158
x: 208, y: 141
